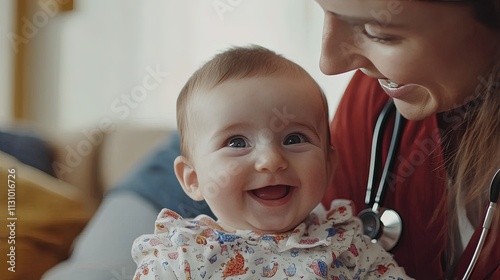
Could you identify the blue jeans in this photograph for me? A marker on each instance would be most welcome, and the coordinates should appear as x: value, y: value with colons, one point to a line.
x: 154, y: 179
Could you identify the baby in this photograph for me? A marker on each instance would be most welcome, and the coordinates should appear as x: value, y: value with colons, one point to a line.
x: 255, y: 145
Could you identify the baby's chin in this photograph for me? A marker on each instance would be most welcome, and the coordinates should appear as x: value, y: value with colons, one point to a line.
x: 276, y: 230
x: 258, y: 227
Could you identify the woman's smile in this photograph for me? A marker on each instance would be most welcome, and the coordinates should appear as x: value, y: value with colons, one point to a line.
x: 396, y: 90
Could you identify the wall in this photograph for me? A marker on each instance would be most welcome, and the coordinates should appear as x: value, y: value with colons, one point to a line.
x: 6, y: 60
x: 88, y: 66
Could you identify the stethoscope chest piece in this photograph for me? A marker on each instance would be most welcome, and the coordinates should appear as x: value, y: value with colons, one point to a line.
x: 384, y: 226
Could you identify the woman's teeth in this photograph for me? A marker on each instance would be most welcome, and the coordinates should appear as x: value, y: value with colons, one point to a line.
x: 392, y: 84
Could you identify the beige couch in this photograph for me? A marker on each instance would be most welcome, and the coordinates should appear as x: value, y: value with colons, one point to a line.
x: 51, y: 212
x: 111, y: 156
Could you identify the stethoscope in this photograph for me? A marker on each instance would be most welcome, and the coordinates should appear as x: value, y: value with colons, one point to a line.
x: 488, y: 218
x: 384, y: 225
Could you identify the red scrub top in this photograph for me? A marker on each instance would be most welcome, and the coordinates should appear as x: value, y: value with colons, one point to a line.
x: 418, y: 189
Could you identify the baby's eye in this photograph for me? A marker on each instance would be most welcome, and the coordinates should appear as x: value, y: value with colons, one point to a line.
x: 237, y: 142
x: 295, y: 138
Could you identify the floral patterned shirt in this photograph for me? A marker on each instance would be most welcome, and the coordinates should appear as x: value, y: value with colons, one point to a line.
x: 327, y: 245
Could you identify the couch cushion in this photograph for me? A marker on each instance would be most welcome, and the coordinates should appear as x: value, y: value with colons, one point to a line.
x: 27, y: 148
x: 44, y: 217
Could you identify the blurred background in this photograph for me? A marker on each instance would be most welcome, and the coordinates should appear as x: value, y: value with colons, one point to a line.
x: 70, y: 64
x: 88, y: 89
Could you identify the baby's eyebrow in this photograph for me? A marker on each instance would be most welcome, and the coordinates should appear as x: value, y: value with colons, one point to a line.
x: 313, y: 129
x: 224, y: 131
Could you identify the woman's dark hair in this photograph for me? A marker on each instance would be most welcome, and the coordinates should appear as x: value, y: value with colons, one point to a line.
x: 488, y: 12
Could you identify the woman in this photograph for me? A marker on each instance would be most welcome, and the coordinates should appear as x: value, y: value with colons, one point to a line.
x: 439, y: 62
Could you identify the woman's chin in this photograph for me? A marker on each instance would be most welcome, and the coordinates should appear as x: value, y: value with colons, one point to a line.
x: 415, y: 111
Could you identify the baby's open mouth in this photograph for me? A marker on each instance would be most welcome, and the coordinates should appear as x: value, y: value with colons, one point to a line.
x: 272, y: 192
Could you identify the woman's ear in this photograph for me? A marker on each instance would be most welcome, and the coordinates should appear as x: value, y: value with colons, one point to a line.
x: 188, y: 178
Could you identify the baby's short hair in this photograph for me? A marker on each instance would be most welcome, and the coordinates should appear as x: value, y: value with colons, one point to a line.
x: 234, y: 63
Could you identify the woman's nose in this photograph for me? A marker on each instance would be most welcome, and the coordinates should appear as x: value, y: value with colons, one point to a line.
x: 270, y: 159
x: 341, y: 49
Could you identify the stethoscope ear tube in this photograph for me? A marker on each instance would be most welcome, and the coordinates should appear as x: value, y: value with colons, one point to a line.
x: 376, y: 152
x: 495, y: 187
x: 399, y: 123
x: 488, y: 218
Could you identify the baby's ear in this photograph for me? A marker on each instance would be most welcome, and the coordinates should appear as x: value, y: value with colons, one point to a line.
x: 187, y: 177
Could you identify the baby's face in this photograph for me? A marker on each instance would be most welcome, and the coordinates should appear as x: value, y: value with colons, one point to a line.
x: 261, y: 151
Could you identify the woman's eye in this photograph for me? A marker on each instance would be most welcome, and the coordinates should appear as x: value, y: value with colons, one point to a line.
x: 379, y: 39
x: 237, y: 142
x: 295, y: 138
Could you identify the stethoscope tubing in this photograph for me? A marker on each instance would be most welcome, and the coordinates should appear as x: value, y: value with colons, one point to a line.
x: 488, y: 219
x: 372, y: 200
x: 399, y: 123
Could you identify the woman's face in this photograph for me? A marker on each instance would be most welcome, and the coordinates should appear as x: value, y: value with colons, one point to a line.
x: 428, y: 56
